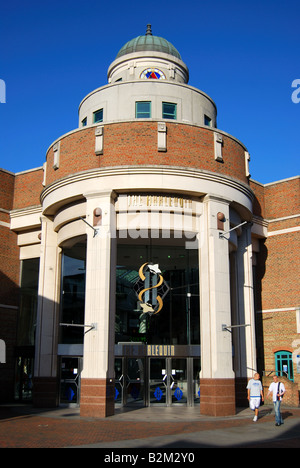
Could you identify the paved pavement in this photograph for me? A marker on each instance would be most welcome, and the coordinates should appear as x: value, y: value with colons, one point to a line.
x: 151, y: 429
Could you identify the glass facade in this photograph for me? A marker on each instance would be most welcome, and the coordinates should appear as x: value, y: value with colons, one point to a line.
x: 24, y: 350
x: 73, y: 292
x: 147, y: 378
x: 178, y: 321
x: 28, y: 303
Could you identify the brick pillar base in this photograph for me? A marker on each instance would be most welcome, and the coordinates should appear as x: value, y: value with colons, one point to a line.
x: 45, y: 392
x: 97, y: 398
x: 217, y: 397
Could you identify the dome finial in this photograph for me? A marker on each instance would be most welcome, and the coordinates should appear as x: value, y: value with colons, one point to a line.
x: 149, y: 30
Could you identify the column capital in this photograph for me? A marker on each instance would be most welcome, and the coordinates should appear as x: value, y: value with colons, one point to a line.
x: 217, y: 199
x: 100, y: 194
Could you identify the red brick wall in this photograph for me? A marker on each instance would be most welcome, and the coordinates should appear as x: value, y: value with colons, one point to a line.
x: 135, y: 143
x: 17, y: 191
x: 7, y: 181
x: 278, y: 269
x: 282, y: 199
x: 291, y: 396
x: 9, y: 279
x: 28, y: 187
x: 280, y: 252
x: 259, y: 198
x: 280, y: 287
x: 277, y: 200
x: 9, y: 251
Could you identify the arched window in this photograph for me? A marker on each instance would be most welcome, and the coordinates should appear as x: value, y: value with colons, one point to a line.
x: 284, y: 364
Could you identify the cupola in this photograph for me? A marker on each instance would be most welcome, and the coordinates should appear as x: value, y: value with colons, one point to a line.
x: 148, y: 57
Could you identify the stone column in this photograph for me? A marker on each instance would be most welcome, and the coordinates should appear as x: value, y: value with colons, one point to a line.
x: 46, y: 382
x: 217, y: 383
x: 97, y: 378
x: 245, y: 336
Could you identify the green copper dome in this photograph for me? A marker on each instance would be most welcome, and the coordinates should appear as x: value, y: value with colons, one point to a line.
x: 148, y: 43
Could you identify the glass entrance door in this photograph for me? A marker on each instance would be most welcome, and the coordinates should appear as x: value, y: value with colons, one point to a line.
x: 168, y: 383
x: 179, y: 382
x: 147, y: 381
x: 134, y: 382
x: 159, y: 382
x: 24, y: 375
x: 70, y: 379
x: 130, y: 381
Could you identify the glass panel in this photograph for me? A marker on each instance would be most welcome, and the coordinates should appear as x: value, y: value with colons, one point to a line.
x: 73, y: 293
x: 98, y: 116
x: 157, y: 385
x: 119, y: 379
x: 24, y: 376
x: 69, y: 383
x: 178, y: 322
x: 196, y: 379
x: 207, y: 121
x: 143, y: 110
x: 178, y: 381
x: 28, y: 304
x: 135, y: 381
x: 169, y: 110
x: 284, y: 364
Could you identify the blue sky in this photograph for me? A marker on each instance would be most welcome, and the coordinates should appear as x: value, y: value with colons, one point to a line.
x: 244, y: 55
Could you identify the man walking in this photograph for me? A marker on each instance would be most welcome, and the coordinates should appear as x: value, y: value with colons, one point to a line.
x: 255, y: 394
x: 278, y: 390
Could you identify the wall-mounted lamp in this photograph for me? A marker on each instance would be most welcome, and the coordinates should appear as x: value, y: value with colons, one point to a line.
x: 93, y: 326
x: 229, y: 327
x: 97, y: 217
x: 221, y: 220
x: 222, y: 234
x: 95, y: 230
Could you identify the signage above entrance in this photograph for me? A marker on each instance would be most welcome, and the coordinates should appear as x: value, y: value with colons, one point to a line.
x: 162, y: 213
x: 160, y: 350
x: 139, y: 350
x: 156, y: 200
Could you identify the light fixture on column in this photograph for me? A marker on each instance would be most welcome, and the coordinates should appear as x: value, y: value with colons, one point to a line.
x: 222, y: 234
x: 92, y: 227
x: 229, y: 327
x: 92, y: 326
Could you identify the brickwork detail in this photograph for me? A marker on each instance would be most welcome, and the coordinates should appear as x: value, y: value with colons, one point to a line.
x: 217, y: 397
x: 97, y: 398
x: 135, y: 143
x: 277, y: 273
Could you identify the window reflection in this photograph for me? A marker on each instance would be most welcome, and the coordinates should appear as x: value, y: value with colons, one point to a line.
x: 73, y: 292
x: 28, y: 303
x: 179, y: 320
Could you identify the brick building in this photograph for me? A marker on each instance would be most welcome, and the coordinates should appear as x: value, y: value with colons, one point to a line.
x: 141, y: 264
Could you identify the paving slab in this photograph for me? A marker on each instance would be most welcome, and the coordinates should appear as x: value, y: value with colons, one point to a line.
x: 149, y: 429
